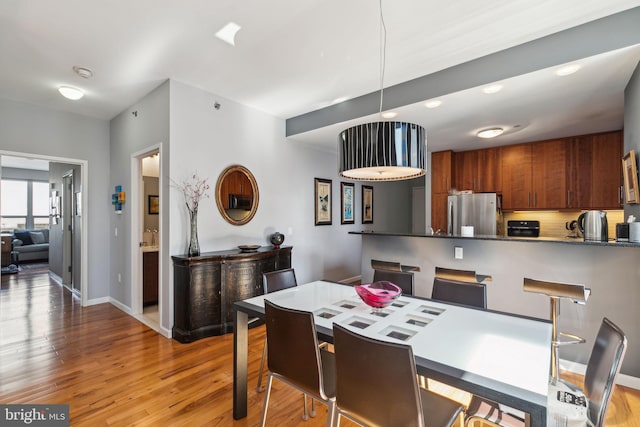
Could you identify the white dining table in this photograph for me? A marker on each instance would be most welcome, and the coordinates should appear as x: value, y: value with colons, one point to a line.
x: 499, y: 356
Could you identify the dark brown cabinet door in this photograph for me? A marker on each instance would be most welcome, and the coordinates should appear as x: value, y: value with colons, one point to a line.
x: 439, y: 212
x: 150, y: 278
x: 466, y: 170
x: 549, y: 174
x: 606, y: 171
x: 516, y: 177
x: 579, y: 172
x: 489, y: 173
x: 441, y: 171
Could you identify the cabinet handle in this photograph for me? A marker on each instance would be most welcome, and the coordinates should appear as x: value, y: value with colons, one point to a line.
x: 529, y: 199
x: 535, y: 200
x: 568, y: 198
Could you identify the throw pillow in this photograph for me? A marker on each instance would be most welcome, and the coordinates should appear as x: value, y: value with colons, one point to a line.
x: 37, y: 237
x: 24, y: 236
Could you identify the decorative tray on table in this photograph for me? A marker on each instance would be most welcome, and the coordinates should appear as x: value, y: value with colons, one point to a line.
x: 248, y: 248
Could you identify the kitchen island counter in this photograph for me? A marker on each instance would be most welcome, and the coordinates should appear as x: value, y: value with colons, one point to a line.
x: 566, y: 240
x: 610, y: 269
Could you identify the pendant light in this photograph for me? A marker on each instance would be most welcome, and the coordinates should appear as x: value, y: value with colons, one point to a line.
x: 384, y: 150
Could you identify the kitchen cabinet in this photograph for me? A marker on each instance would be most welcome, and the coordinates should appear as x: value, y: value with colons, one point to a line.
x: 534, y: 175
x: 442, y: 168
x: 478, y: 170
x: 150, y: 278
x: 206, y: 286
x: 441, y: 171
x: 595, y: 171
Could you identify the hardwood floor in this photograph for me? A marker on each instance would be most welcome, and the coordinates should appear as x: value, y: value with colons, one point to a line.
x: 114, y: 371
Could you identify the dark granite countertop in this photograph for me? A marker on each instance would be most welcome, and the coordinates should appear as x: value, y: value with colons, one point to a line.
x: 563, y: 240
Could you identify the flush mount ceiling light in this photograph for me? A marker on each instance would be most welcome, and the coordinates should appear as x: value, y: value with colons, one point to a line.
x: 382, y: 151
x: 71, y: 92
x: 490, y: 133
x: 433, y: 104
x: 492, y: 89
x: 567, y: 70
x: 228, y: 33
x: 389, y: 114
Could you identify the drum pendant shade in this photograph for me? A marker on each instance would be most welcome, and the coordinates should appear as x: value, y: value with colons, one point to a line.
x: 382, y: 151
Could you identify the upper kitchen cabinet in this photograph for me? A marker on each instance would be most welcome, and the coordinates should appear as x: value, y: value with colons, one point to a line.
x: 441, y: 171
x: 478, y: 170
x: 595, y: 171
x: 534, y: 176
x: 606, y: 184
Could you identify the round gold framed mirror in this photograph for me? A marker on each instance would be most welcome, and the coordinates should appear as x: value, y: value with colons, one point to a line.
x: 237, y: 195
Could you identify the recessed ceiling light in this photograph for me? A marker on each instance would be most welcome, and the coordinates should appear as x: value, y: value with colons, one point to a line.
x: 389, y: 114
x: 568, y: 69
x: 490, y: 133
x: 492, y: 89
x: 433, y: 104
x: 228, y: 33
x: 71, y: 92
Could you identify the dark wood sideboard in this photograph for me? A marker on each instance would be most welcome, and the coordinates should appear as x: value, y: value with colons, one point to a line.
x: 205, y: 288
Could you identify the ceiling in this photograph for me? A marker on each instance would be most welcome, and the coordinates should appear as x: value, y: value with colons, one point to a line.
x: 293, y: 57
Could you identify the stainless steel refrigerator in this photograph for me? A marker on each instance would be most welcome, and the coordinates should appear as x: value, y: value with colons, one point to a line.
x: 480, y: 210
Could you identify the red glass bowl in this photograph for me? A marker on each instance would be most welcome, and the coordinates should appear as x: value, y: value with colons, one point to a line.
x: 378, y: 294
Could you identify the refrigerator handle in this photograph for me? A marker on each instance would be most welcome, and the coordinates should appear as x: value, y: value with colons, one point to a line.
x: 450, y: 218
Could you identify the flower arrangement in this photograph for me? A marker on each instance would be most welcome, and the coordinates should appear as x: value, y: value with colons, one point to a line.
x: 194, y: 189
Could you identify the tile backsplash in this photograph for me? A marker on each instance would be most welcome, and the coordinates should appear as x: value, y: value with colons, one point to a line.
x: 552, y: 224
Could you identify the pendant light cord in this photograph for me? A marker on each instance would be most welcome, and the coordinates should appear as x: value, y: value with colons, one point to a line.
x: 383, y: 54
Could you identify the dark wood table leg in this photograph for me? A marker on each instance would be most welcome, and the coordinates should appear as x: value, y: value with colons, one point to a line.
x: 240, y: 360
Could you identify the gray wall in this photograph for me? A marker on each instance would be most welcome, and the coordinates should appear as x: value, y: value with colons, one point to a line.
x: 31, y: 130
x: 632, y: 128
x: 612, y: 273
x: 131, y: 133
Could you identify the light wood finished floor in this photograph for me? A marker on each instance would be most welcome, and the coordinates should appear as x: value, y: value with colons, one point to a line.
x: 114, y: 371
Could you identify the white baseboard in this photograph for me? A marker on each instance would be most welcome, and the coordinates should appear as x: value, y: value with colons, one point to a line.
x: 97, y: 301
x: 579, y: 368
x: 120, y: 305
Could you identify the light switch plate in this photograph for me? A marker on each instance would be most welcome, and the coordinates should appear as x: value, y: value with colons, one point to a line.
x: 458, y: 252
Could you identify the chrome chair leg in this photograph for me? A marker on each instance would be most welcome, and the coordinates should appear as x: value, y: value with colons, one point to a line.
x: 266, y: 400
x: 305, y: 416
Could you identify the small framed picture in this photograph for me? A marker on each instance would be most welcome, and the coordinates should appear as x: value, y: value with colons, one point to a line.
x: 154, y: 205
x: 347, y: 191
x: 367, y: 204
x: 322, y: 194
x: 630, y: 173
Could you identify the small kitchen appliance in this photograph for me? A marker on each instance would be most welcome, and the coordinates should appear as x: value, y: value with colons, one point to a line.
x: 593, y: 226
x: 622, y: 232
x: 523, y: 228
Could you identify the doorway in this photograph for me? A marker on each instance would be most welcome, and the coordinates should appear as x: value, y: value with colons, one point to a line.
x: 146, y: 262
x: 76, y: 251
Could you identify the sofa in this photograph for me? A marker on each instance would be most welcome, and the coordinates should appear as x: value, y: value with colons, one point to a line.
x: 31, y: 245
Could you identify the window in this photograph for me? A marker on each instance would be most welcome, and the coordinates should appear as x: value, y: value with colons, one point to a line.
x: 25, y: 204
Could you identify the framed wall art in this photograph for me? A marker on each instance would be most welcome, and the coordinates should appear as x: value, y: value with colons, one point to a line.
x: 322, y: 192
x: 154, y: 205
x: 630, y: 172
x: 347, y: 191
x: 367, y: 204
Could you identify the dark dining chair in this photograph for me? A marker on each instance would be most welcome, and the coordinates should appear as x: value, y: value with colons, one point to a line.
x: 458, y: 292
x: 377, y: 385
x: 295, y: 358
x: 271, y: 282
x: 602, y: 368
x: 404, y: 280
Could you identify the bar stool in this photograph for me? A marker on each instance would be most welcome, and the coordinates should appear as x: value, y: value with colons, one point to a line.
x: 555, y: 291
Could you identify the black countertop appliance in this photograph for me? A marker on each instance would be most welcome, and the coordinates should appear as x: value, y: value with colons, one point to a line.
x: 523, y: 228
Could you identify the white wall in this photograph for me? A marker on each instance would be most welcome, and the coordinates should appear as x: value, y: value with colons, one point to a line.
x: 206, y: 140
x: 28, y: 129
